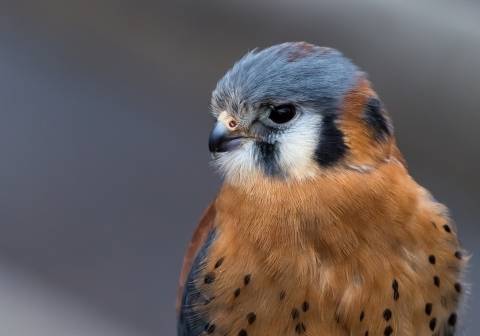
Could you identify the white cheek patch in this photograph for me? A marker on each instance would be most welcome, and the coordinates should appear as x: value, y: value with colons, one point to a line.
x: 297, y: 145
x: 295, y: 149
x: 238, y: 165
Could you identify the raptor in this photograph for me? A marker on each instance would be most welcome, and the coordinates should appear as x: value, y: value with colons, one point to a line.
x: 318, y: 228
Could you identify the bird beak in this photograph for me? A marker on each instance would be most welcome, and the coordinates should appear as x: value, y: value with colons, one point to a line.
x: 222, y: 140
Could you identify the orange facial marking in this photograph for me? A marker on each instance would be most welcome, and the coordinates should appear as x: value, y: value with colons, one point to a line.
x: 362, y: 145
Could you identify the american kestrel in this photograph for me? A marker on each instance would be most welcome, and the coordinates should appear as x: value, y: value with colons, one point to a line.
x: 318, y: 228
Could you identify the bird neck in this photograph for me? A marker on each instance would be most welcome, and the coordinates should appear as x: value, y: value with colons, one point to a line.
x: 328, y: 216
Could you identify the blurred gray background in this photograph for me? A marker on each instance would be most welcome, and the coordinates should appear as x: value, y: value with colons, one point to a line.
x: 104, y: 118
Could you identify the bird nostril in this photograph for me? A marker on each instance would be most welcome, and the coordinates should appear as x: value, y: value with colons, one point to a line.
x: 232, y: 124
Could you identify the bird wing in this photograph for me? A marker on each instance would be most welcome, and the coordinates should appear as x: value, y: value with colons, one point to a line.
x: 199, y: 238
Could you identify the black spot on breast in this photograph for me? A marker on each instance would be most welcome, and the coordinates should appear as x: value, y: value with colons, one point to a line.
x: 431, y: 259
x: 236, y: 293
x: 458, y: 287
x: 388, y: 331
x: 305, y: 306
x: 458, y: 255
x: 251, y: 317
x: 395, y: 285
x: 396, y: 293
x: 362, y: 316
x: 432, y: 324
x: 452, y: 319
x: 242, y: 332
x: 428, y: 309
x: 366, y: 333
x: 436, y: 281
x: 210, y: 328
x: 447, y: 228
x: 219, y: 262
x: 246, y: 279
x: 331, y: 147
x: 387, y: 314
x: 377, y: 121
x: 209, y: 278
x: 295, y: 313
x: 282, y: 295
x: 300, y: 328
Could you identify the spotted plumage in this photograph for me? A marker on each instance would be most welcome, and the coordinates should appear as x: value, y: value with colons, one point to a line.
x: 318, y: 228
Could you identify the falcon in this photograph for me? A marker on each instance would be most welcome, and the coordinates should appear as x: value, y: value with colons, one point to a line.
x: 318, y: 228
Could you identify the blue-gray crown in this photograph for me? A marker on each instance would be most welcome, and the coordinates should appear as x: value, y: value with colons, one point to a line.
x: 294, y: 72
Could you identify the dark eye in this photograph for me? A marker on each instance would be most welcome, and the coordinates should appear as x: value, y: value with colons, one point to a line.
x: 282, y: 113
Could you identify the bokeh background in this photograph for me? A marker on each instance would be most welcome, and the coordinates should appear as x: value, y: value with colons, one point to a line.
x: 104, y: 118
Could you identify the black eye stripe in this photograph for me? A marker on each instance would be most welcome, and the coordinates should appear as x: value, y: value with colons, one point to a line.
x: 331, y: 146
x: 268, y: 158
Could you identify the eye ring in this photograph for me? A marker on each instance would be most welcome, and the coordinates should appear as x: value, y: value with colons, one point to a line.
x: 282, y: 114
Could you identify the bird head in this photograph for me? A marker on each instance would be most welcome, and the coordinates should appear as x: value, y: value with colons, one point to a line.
x: 294, y: 111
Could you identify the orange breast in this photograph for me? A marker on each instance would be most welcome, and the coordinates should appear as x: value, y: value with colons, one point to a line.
x: 378, y: 269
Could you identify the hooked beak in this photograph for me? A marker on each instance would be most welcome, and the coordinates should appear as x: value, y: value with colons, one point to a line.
x: 222, y: 140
